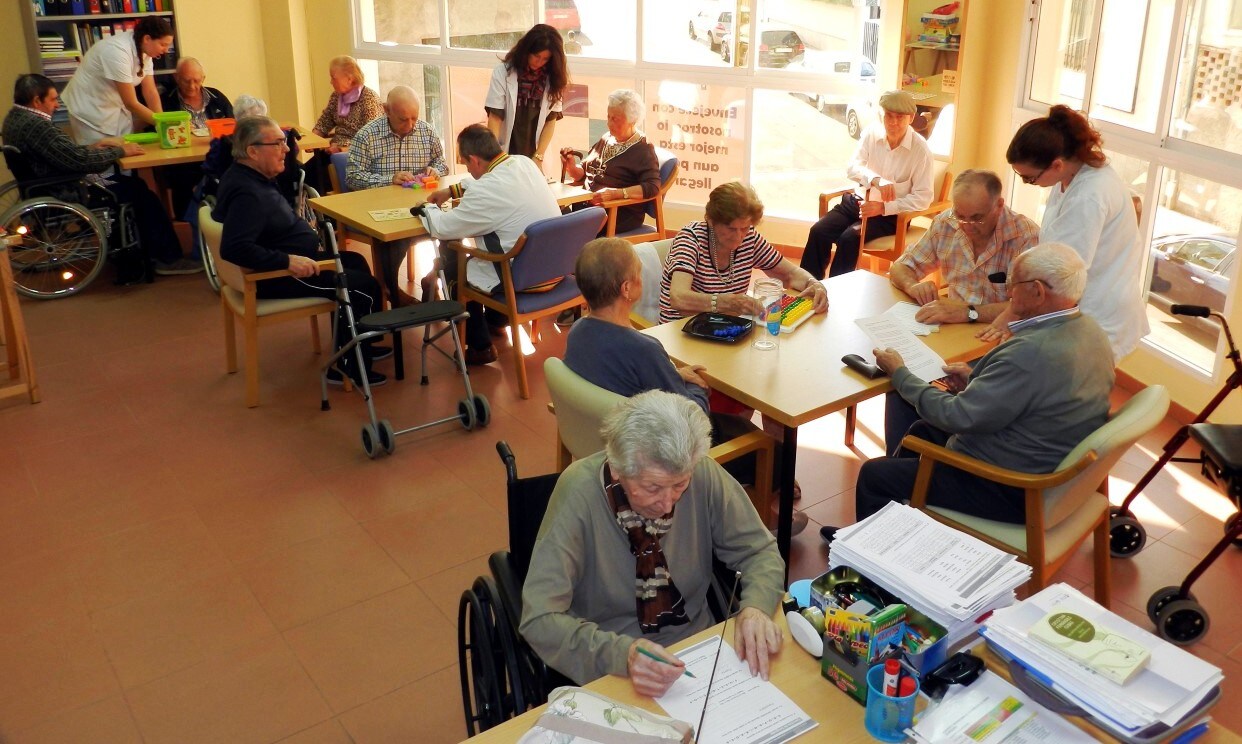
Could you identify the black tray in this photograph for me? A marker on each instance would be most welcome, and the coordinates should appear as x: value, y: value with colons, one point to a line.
x: 704, y: 325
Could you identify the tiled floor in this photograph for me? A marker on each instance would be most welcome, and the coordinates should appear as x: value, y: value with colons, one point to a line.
x: 178, y: 568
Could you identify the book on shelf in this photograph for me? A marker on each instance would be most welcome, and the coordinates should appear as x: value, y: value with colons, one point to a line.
x: 95, y: 7
x: 76, y: 7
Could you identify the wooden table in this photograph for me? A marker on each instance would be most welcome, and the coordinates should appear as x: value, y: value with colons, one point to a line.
x: 797, y: 674
x: 352, y: 209
x: 930, y: 96
x: 804, y: 378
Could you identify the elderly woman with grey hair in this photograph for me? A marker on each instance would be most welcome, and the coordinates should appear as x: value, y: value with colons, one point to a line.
x: 247, y: 105
x: 624, y: 555
x: 622, y: 165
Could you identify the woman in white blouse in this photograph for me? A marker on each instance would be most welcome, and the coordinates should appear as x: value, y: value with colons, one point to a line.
x: 102, y: 96
x: 1090, y: 209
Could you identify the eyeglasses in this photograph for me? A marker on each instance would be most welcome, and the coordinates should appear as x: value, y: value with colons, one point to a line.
x: 1011, y: 284
x: 1030, y: 180
x: 978, y: 219
x: 271, y: 144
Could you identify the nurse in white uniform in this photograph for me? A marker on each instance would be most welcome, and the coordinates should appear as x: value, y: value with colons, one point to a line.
x: 524, y: 99
x: 1091, y: 210
x: 102, y: 96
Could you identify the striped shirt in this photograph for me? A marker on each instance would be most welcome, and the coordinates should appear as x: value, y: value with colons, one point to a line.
x: 376, y: 154
x: 691, y: 253
x: 947, y: 248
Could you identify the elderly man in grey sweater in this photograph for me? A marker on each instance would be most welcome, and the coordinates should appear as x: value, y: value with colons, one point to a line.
x: 1024, y: 406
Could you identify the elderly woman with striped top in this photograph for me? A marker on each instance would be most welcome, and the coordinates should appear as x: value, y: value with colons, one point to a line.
x: 710, y: 264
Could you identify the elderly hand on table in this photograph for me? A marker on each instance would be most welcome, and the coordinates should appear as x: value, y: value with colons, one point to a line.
x: 888, y: 360
x: 756, y: 638
x: 649, y: 676
x: 942, y: 311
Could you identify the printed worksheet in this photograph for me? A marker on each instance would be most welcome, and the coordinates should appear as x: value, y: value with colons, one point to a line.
x: 887, y: 331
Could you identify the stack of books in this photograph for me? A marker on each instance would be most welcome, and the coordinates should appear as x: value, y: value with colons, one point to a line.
x: 1169, y: 690
x: 949, y: 576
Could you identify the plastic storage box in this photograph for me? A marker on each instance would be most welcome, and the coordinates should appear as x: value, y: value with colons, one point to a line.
x: 173, y: 128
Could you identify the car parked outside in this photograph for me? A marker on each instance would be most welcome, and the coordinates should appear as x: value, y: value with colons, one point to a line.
x: 848, y: 87
x: 778, y: 47
x: 562, y: 15
x: 711, y: 24
x: 1192, y: 269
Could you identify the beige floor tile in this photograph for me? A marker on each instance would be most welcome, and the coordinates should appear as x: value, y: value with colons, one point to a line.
x: 445, y: 588
x: 27, y: 529
x: 156, y: 634
x: 314, y: 578
x: 106, y: 722
x: 56, y: 669
x: 257, y: 693
x: 38, y: 591
x: 145, y: 559
x: 428, y: 711
x: 394, y: 484
x: 250, y: 522
x: 374, y: 647
x: 439, y: 535
x: 328, y: 732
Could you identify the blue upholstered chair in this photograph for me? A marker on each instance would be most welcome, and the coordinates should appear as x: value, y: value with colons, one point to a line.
x: 536, y: 274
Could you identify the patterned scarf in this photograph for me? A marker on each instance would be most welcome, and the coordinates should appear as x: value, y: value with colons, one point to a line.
x: 531, y: 84
x: 655, y: 595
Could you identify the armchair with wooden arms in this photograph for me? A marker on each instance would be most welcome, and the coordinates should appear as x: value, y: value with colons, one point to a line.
x: 536, y: 274
x: 890, y: 247
x: 239, y: 299
x: 1062, y: 507
x: 580, y: 407
x: 669, y: 167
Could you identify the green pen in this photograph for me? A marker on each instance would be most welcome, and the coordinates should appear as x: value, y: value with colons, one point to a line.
x: 662, y: 660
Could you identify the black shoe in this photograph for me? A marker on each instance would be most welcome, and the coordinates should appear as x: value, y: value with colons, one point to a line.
x: 378, y: 353
x: 374, y: 379
x: 828, y: 533
x: 477, y: 357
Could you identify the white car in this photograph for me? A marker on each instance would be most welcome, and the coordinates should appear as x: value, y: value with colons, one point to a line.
x: 711, y: 24
x: 846, y: 82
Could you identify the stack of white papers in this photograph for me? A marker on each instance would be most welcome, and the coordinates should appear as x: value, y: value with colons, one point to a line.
x: 904, y: 312
x: 1172, y: 686
x: 944, y: 573
x: 992, y: 710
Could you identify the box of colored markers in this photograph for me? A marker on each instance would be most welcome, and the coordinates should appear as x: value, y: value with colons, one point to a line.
x: 854, y: 642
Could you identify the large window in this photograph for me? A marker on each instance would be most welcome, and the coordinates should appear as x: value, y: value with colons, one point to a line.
x: 774, y: 93
x: 1159, y: 79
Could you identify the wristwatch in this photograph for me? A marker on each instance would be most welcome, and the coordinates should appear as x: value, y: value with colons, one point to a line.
x: 971, y: 314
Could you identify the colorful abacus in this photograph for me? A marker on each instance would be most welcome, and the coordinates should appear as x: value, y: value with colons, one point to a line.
x: 794, y: 311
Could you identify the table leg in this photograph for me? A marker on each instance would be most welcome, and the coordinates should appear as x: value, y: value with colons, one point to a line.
x: 784, y: 523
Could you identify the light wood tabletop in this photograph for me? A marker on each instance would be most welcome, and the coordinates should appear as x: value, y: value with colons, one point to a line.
x: 156, y: 156
x: 804, y: 378
x: 798, y: 675
x: 353, y: 208
x: 930, y: 95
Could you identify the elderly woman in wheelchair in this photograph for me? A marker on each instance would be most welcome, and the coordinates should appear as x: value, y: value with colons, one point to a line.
x: 624, y: 556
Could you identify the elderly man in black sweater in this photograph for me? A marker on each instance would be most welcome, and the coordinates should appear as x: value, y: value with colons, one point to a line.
x: 48, y: 152
x: 263, y: 233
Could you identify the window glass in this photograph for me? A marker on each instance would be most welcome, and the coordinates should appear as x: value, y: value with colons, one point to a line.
x: 487, y: 24
x: 797, y: 151
x: 690, y: 33
x: 424, y: 79
x: 594, y: 28
x: 1059, y: 63
x: 1130, y: 62
x: 1193, y: 254
x: 705, y: 127
x: 1209, y: 89
x: 393, y: 22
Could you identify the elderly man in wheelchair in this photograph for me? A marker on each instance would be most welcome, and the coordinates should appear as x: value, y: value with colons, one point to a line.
x: 69, y: 217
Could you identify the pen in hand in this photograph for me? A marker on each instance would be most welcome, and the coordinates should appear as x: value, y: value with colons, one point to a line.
x: 662, y: 660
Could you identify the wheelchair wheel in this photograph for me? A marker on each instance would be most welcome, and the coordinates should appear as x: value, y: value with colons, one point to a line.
x: 9, y: 196
x: 486, y: 659
x: 62, y: 247
x: 209, y: 265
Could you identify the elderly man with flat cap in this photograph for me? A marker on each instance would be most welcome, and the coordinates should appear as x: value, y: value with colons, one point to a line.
x: 893, y: 165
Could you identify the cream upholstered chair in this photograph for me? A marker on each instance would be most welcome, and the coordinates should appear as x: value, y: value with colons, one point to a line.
x: 890, y: 248
x: 580, y: 407
x: 1063, y: 507
x: 239, y: 299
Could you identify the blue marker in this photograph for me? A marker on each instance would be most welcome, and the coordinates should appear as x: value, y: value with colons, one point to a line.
x: 1191, y: 734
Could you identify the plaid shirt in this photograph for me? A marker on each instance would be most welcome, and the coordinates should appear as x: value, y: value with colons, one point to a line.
x: 376, y: 154
x: 947, y: 248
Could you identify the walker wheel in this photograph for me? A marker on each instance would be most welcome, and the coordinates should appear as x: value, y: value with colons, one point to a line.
x: 387, y: 439
x: 1161, y: 598
x: 482, y: 410
x: 1183, y: 621
x: 467, y: 414
x: 1126, y: 535
x: 370, y: 441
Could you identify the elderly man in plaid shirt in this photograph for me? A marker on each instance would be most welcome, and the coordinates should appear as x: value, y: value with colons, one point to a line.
x: 973, y: 245
x: 391, y: 150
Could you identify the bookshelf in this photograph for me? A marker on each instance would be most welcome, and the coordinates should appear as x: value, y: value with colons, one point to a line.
x: 59, y: 32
